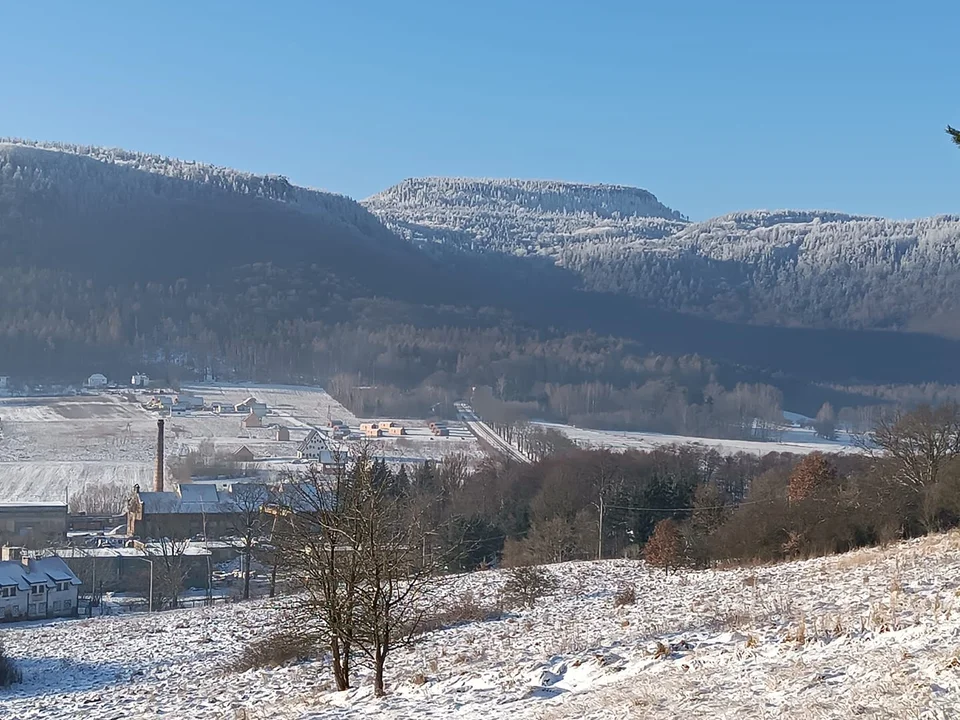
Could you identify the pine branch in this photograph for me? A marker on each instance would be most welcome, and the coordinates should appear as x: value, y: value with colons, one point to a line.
x: 955, y: 134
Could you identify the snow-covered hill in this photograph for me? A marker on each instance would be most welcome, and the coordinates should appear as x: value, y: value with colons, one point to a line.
x: 874, y: 634
x: 522, y: 217
x: 784, y: 267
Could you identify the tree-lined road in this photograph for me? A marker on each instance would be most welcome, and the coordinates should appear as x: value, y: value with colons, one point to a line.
x: 485, y: 433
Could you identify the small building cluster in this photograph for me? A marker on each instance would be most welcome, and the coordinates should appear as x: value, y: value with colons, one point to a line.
x: 382, y: 428
x: 139, y: 380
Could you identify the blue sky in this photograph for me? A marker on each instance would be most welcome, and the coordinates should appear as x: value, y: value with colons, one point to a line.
x: 713, y: 106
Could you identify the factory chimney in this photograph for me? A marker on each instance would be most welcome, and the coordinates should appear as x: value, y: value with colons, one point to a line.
x: 158, y: 475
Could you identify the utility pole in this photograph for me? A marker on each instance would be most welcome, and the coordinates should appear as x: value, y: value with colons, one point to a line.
x: 150, y: 601
x: 600, y: 528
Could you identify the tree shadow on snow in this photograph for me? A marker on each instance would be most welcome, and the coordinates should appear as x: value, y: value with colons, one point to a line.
x: 53, y: 676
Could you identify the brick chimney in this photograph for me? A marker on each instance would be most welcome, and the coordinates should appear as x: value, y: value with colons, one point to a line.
x: 158, y: 474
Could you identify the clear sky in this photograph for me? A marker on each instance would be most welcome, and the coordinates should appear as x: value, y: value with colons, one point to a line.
x: 713, y: 106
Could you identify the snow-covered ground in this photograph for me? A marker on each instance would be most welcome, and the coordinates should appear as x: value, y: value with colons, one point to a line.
x: 873, y: 634
x: 790, y: 439
x: 52, y: 446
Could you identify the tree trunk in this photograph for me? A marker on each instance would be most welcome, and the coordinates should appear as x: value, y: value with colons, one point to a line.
x: 247, y: 556
x: 380, y: 660
x: 341, y: 664
x: 273, y: 573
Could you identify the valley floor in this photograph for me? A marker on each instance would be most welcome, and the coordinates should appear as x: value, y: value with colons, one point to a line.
x: 874, y: 634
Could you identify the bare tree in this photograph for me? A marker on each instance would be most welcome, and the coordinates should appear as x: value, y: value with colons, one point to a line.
x: 249, y: 523
x: 396, y: 573
x: 169, y: 570
x: 360, y: 551
x: 919, y: 447
x: 313, y: 540
x: 105, y: 499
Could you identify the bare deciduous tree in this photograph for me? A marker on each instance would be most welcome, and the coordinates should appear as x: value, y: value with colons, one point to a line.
x: 360, y: 552
x: 248, y: 522
x: 919, y: 447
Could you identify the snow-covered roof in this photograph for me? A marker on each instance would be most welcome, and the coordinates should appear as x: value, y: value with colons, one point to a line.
x: 38, y: 571
x: 192, y: 499
x: 32, y: 505
x: 54, y: 568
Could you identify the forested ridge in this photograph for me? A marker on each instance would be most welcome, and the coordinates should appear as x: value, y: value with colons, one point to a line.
x: 790, y: 268
x: 116, y: 261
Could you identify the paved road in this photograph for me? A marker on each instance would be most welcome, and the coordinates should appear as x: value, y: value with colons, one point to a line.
x: 485, y: 432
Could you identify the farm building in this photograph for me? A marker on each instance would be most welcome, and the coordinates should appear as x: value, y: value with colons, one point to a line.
x: 253, y: 406
x: 96, y: 381
x: 36, y: 588
x: 365, y: 426
x: 282, y: 434
x: 251, y: 421
x: 139, y: 380
x: 373, y: 432
x: 243, y: 455
x: 191, y: 402
x: 33, y: 524
x: 396, y: 430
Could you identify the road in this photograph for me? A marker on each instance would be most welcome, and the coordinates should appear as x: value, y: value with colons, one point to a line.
x: 484, y: 432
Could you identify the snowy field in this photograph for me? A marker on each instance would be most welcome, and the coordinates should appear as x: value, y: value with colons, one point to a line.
x: 873, y: 634
x: 52, y: 446
x: 789, y: 440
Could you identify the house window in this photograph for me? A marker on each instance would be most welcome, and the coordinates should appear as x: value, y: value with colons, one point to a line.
x: 62, y: 586
x: 36, y: 589
x: 8, y: 592
x: 56, y: 606
x: 67, y: 604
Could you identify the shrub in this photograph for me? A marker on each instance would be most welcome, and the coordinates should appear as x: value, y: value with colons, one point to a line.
x: 464, y: 609
x: 526, y: 585
x: 813, y: 473
x: 280, y: 648
x: 625, y: 595
x: 665, y: 548
x: 9, y: 672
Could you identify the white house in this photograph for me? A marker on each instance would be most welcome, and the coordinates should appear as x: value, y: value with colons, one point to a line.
x: 140, y: 381
x: 97, y: 381
x: 4, y: 382
x: 33, y: 588
x: 313, y: 445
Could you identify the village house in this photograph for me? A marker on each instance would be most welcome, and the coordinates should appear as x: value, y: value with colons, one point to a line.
x: 139, y: 380
x: 34, y: 524
x: 317, y: 448
x: 251, y: 421
x: 191, y: 510
x: 283, y: 434
x: 32, y: 588
x: 188, y: 401
x: 253, y: 406
x: 4, y: 382
x: 96, y: 381
x: 243, y: 455
x: 312, y: 445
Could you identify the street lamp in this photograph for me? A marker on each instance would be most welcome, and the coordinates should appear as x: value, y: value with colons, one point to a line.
x: 150, y: 601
